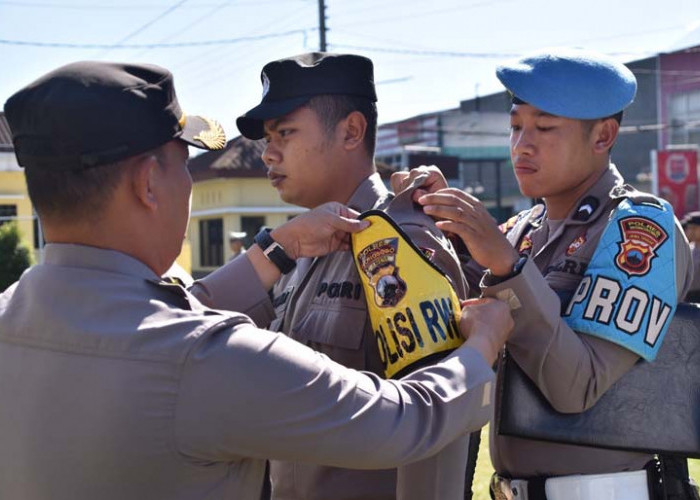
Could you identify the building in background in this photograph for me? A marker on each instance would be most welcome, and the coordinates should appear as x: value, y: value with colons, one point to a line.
x: 231, y: 193
x: 14, y: 200
x: 469, y: 143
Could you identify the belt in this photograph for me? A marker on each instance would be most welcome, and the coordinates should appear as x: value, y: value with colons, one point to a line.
x: 616, y: 486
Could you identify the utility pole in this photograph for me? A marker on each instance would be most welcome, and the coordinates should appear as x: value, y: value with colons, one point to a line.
x: 322, y: 24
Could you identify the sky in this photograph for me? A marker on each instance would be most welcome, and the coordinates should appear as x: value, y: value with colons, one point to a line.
x: 428, y: 56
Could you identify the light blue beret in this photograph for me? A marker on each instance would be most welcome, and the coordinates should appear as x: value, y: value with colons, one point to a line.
x: 571, y: 83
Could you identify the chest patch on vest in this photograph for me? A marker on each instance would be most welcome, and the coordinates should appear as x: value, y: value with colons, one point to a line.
x: 525, y: 245
x: 576, y: 244
x: 628, y: 292
x: 640, y: 239
x: 412, y: 306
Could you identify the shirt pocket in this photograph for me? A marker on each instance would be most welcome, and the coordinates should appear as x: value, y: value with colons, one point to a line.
x: 338, y: 333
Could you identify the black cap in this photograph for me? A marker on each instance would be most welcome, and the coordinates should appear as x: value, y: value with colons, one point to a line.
x: 290, y: 83
x: 90, y: 113
x: 691, y: 218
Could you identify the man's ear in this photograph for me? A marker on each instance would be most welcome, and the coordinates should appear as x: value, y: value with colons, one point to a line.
x: 604, y: 135
x: 144, y: 175
x: 354, y: 130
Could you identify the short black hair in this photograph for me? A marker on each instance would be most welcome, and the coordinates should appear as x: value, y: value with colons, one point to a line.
x: 63, y: 195
x: 331, y: 109
x: 71, y: 194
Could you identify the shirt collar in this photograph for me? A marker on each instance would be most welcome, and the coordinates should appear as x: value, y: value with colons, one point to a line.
x: 87, y: 257
x: 367, y: 193
x: 593, y: 202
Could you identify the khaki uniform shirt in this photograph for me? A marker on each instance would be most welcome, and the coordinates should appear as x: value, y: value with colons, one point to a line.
x: 322, y: 305
x: 572, y: 370
x: 117, y: 385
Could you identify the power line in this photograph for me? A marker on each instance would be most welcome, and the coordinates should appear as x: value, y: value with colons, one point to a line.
x: 283, y: 21
x: 116, y: 6
x: 421, y: 14
x: 145, y: 26
x: 221, y: 41
x: 201, y: 18
x: 446, y: 53
x: 204, y: 72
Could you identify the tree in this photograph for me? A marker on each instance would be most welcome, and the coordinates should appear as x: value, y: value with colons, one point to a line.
x: 15, y: 257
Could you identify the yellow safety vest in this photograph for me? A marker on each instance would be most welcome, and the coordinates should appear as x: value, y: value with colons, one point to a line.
x: 412, y: 306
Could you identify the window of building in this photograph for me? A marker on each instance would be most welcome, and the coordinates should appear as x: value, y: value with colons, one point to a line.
x: 211, y: 242
x: 251, y: 225
x: 684, y: 109
x: 7, y: 213
x: 488, y: 179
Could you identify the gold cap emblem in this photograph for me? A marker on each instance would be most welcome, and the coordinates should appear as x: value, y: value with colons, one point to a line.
x: 214, y: 138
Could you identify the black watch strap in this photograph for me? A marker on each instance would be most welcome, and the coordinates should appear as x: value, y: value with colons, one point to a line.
x: 517, y: 268
x: 274, y: 251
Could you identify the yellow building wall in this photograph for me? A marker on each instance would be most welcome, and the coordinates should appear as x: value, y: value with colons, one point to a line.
x: 13, y: 191
x: 185, y: 257
x: 229, y: 200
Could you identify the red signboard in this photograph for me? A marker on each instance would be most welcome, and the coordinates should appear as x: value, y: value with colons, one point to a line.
x: 677, y: 179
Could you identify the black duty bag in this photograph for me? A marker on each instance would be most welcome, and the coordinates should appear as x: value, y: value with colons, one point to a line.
x: 654, y: 408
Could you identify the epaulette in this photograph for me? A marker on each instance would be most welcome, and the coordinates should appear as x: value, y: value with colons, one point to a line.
x: 636, y: 197
x: 508, y: 225
x: 176, y: 289
x: 535, y: 215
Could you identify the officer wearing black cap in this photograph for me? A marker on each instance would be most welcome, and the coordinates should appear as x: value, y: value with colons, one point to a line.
x: 117, y: 384
x: 573, y: 267
x: 235, y: 243
x: 47, y: 136
x: 290, y: 83
x: 319, y: 119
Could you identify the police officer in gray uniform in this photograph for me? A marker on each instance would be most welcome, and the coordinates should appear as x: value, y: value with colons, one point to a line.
x: 319, y: 118
x: 116, y: 384
x: 593, y: 275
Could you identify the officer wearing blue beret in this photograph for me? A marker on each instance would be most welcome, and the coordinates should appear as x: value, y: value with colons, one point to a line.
x: 572, y: 268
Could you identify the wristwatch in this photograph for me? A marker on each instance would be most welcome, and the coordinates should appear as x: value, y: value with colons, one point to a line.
x: 274, y: 251
x: 517, y: 268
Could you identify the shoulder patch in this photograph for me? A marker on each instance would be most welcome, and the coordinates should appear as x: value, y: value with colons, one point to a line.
x: 508, y: 225
x: 640, y: 237
x: 525, y: 244
x: 628, y: 292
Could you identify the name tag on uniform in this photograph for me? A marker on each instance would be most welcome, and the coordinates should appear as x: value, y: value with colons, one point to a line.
x: 412, y: 306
